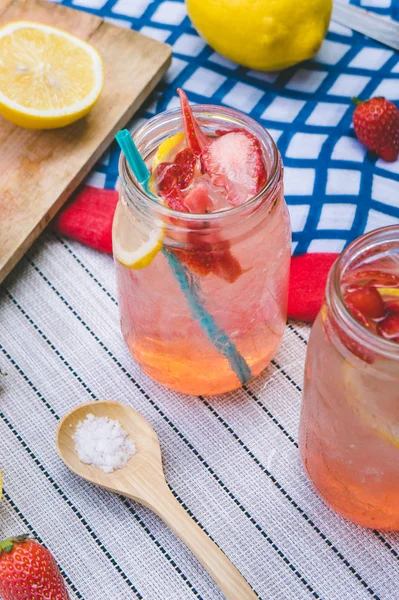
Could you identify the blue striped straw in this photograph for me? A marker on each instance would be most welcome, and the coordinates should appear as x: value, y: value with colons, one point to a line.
x: 188, y: 284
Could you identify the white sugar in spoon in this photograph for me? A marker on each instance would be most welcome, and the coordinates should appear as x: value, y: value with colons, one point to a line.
x: 143, y: 480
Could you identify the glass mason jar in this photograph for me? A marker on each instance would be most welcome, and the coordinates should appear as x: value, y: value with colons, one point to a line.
x: 349, y: 427
x: 205, y: 332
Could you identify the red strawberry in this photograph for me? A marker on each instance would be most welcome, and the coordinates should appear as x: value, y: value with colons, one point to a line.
x: 166, y: 176
x: 196, y: 139
x: 174, y: 199
x: 198, y: 258
x: 197, y: 200
x: 234, y: 162
x: 392, y: 305
x: 203, y: 261
x: 368, y: 301
x: 29, y: 572
x: 376, y: 124
x: 375, y: 278
x: 172, y: 177
x: 389, y: 328
x: 359, y: 316
x: 205, y: 258
x: 186, y: 161
x: 226, y: 266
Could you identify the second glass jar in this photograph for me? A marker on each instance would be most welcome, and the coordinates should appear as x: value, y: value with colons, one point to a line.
x: 349, y: 428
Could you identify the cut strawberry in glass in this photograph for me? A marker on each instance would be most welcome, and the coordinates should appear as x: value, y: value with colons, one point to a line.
x: 203, y: 261
x: 186, y: 160
x: 196, y: 138
x: 226, y: 266
x: 234, y: 162
x: 374, y: 278
x: 392, y: 305
x: 204, y: 257
x: 197, y: 200
x: 368, y: 301
x: 166, y: 176
x: 175, y: 200
x: 389, y: 327
x: 199, y: 258
x: 359, y: 316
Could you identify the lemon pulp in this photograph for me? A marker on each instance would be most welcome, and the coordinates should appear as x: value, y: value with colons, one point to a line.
x: 48, y: 77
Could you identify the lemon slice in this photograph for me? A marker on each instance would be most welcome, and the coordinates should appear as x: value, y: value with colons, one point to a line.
x: 166, y: 148
x: 138, y: 250
x: 386, y: 291
x: 48, y: 77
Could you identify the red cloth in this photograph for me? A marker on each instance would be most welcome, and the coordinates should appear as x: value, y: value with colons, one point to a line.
x: 88, y: 219
x: 307, y: 284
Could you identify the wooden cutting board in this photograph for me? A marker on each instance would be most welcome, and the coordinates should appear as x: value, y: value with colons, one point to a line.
x: 40, y: 169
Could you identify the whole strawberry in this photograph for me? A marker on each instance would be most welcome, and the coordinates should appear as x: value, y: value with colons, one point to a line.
x: 376, y: 124
x: 29, y: 572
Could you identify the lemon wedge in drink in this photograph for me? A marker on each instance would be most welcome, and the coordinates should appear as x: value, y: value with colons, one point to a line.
x: 167, y: 147
x: 48, y: 77
x: 135, y: 245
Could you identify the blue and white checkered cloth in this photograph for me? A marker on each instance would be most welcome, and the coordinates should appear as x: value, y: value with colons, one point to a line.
x: 334, y: 189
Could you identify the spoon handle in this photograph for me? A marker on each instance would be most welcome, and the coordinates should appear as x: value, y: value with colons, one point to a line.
x: 219, y: 567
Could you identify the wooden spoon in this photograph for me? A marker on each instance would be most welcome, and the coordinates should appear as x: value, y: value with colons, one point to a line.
x: 143, y: 480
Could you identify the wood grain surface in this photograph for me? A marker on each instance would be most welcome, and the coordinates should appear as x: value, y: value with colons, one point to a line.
x: 40, y: 169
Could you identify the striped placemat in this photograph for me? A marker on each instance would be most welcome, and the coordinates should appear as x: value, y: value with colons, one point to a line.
x: 232, y: 461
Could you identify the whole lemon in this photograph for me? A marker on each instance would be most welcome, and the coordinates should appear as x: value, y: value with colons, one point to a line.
x: 268, y: 35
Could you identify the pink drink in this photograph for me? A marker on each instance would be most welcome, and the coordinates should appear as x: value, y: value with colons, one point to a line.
x: 349, y: 431
x: 228, y: 230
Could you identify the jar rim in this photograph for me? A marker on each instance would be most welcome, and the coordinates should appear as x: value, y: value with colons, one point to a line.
x: 335, y: 299
x: 132, y: 187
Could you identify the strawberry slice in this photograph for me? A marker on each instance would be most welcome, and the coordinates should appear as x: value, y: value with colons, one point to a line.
x: 197, y: 200
x: 165, y: 177
x: 203, y: 261
x: 389, y: 328
x: 175, y: 200
x: 392, y: 305
x: 205, y: 258
x: 368, y: 301
x: 359, y: 316
x: 196, y: 139
x: 198, y: 258
x: 186, y: 160
x: 374, y: 278
x: 226, y: 266
x: 234, y: 161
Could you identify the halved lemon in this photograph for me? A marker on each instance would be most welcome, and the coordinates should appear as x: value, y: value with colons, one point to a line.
x: 134, y: 244
x: 48, y: 77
